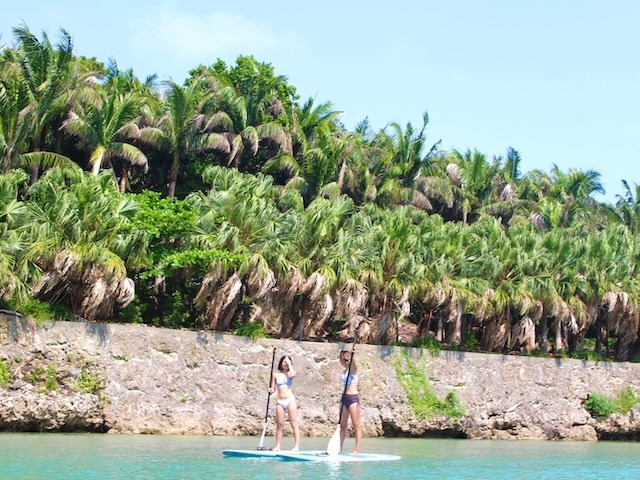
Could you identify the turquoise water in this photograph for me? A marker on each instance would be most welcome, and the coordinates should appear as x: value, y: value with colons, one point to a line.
x: 95, y: 456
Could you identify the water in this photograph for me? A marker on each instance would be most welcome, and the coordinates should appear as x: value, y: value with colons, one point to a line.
x: 94, y: 456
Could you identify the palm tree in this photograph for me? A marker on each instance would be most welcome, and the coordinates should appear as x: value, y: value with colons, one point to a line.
x: 400, y: 167
x: 510, y: 197
x: 14, y: 271
x: 80, y: 244
x: 232, y: 118
x: 184, y: 126
x: 628, y: 207
x: 252, y: 227
x: 109, y: 130
x: 474, y: 179
x: 45, y: 71
x: 568, y: 194
x: 16, y: 127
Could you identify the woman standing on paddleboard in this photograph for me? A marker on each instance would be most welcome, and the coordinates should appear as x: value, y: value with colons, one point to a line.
x: 350, y: 400
x: 285, y: 401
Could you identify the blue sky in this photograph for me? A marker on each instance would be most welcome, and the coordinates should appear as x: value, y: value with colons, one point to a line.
x: 558, y: 80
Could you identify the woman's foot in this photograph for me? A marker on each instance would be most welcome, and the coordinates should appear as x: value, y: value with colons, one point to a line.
x: 276, y: 449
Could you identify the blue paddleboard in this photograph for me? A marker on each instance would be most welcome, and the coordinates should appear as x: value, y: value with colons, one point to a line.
x: 342, y: 457
x: 263, y: 453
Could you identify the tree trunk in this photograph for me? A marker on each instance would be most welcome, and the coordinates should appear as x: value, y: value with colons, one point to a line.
x: 124, y: 178
x: 173, y: 176
x: 35, y: 174
x: 455, y: 334
x: 35, y: 171
x: 544, y: 335
x: 559, y: 339
x: 440, y: 328
x: 601, y: 338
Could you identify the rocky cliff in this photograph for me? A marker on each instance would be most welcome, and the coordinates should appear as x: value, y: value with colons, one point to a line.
x: 65, y: 376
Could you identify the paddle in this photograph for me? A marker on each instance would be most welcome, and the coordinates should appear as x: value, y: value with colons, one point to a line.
x: 266, y: 415
x: 334, y: 444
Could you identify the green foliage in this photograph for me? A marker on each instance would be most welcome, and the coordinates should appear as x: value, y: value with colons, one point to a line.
x: 599, y: 405
x: 253, y: 330
x: 5, y: 373
x: 47, y: 378
x: 170, y: 225
x: 170, y: 309
x: 470, y: 341
x: 89, y: 382
x: 257, y: 83
x: 537, y: 353
x: 588, y: 354
x: 51, y: 379
x: 43, y: 311
x: 176, y: 312
x: 429, y: 343
x: 602, y: 406
x: 626, y: 400
x: 423, y: 400
x: 196, y: 261
x: 133, y: 313
x: 164, y: 220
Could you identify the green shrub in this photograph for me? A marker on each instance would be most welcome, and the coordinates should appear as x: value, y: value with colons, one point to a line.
x: 470, y: 341
x: 429, y: 343
x: 45, y: 378
x: 51, y: 379
x: 252, y: 330
x: 89, y: 382
x: 600, y: 405
x: 43, y: 311
x: 626, y: 400
x: 423, y: 400
x: 5, y: 373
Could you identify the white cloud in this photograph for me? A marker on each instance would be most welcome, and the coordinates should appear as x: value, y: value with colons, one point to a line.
x: 194, y: 38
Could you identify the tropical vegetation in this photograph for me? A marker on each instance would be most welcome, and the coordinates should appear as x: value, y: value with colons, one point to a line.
x: 227, y: 203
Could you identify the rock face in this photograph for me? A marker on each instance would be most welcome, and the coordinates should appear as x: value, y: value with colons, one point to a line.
x: 68, y: 376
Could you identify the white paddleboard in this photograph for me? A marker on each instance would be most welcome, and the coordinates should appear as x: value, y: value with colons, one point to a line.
x: 263, y: 453
x: 342, y: 457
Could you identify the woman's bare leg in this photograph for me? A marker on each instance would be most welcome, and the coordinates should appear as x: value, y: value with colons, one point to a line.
x: 293, y: 420
x: 280, y: 415
x: 344, y: 422
x: 354, y: 413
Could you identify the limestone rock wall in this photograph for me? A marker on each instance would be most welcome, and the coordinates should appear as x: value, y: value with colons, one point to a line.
x: 156, y: 380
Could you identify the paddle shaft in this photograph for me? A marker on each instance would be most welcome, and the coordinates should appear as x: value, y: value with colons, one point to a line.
x: 346, y: 383
x: 266, y: 415
x: 273, y: 360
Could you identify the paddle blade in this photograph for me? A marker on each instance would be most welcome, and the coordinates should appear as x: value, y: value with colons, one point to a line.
x: 264, y: 431
x: 334, y: 444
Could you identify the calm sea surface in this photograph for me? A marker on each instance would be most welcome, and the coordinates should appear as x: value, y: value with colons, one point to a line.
x: 95, y: 456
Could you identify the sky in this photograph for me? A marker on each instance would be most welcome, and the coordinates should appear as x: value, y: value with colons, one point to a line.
x: 557, y: 80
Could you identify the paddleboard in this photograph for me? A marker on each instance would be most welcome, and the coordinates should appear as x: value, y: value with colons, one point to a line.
x: 343, y: 457
x: 263, y: 453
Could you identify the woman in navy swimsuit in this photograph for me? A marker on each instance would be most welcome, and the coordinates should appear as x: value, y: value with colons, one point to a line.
x: 286, y: 402
x: 350, y: 401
